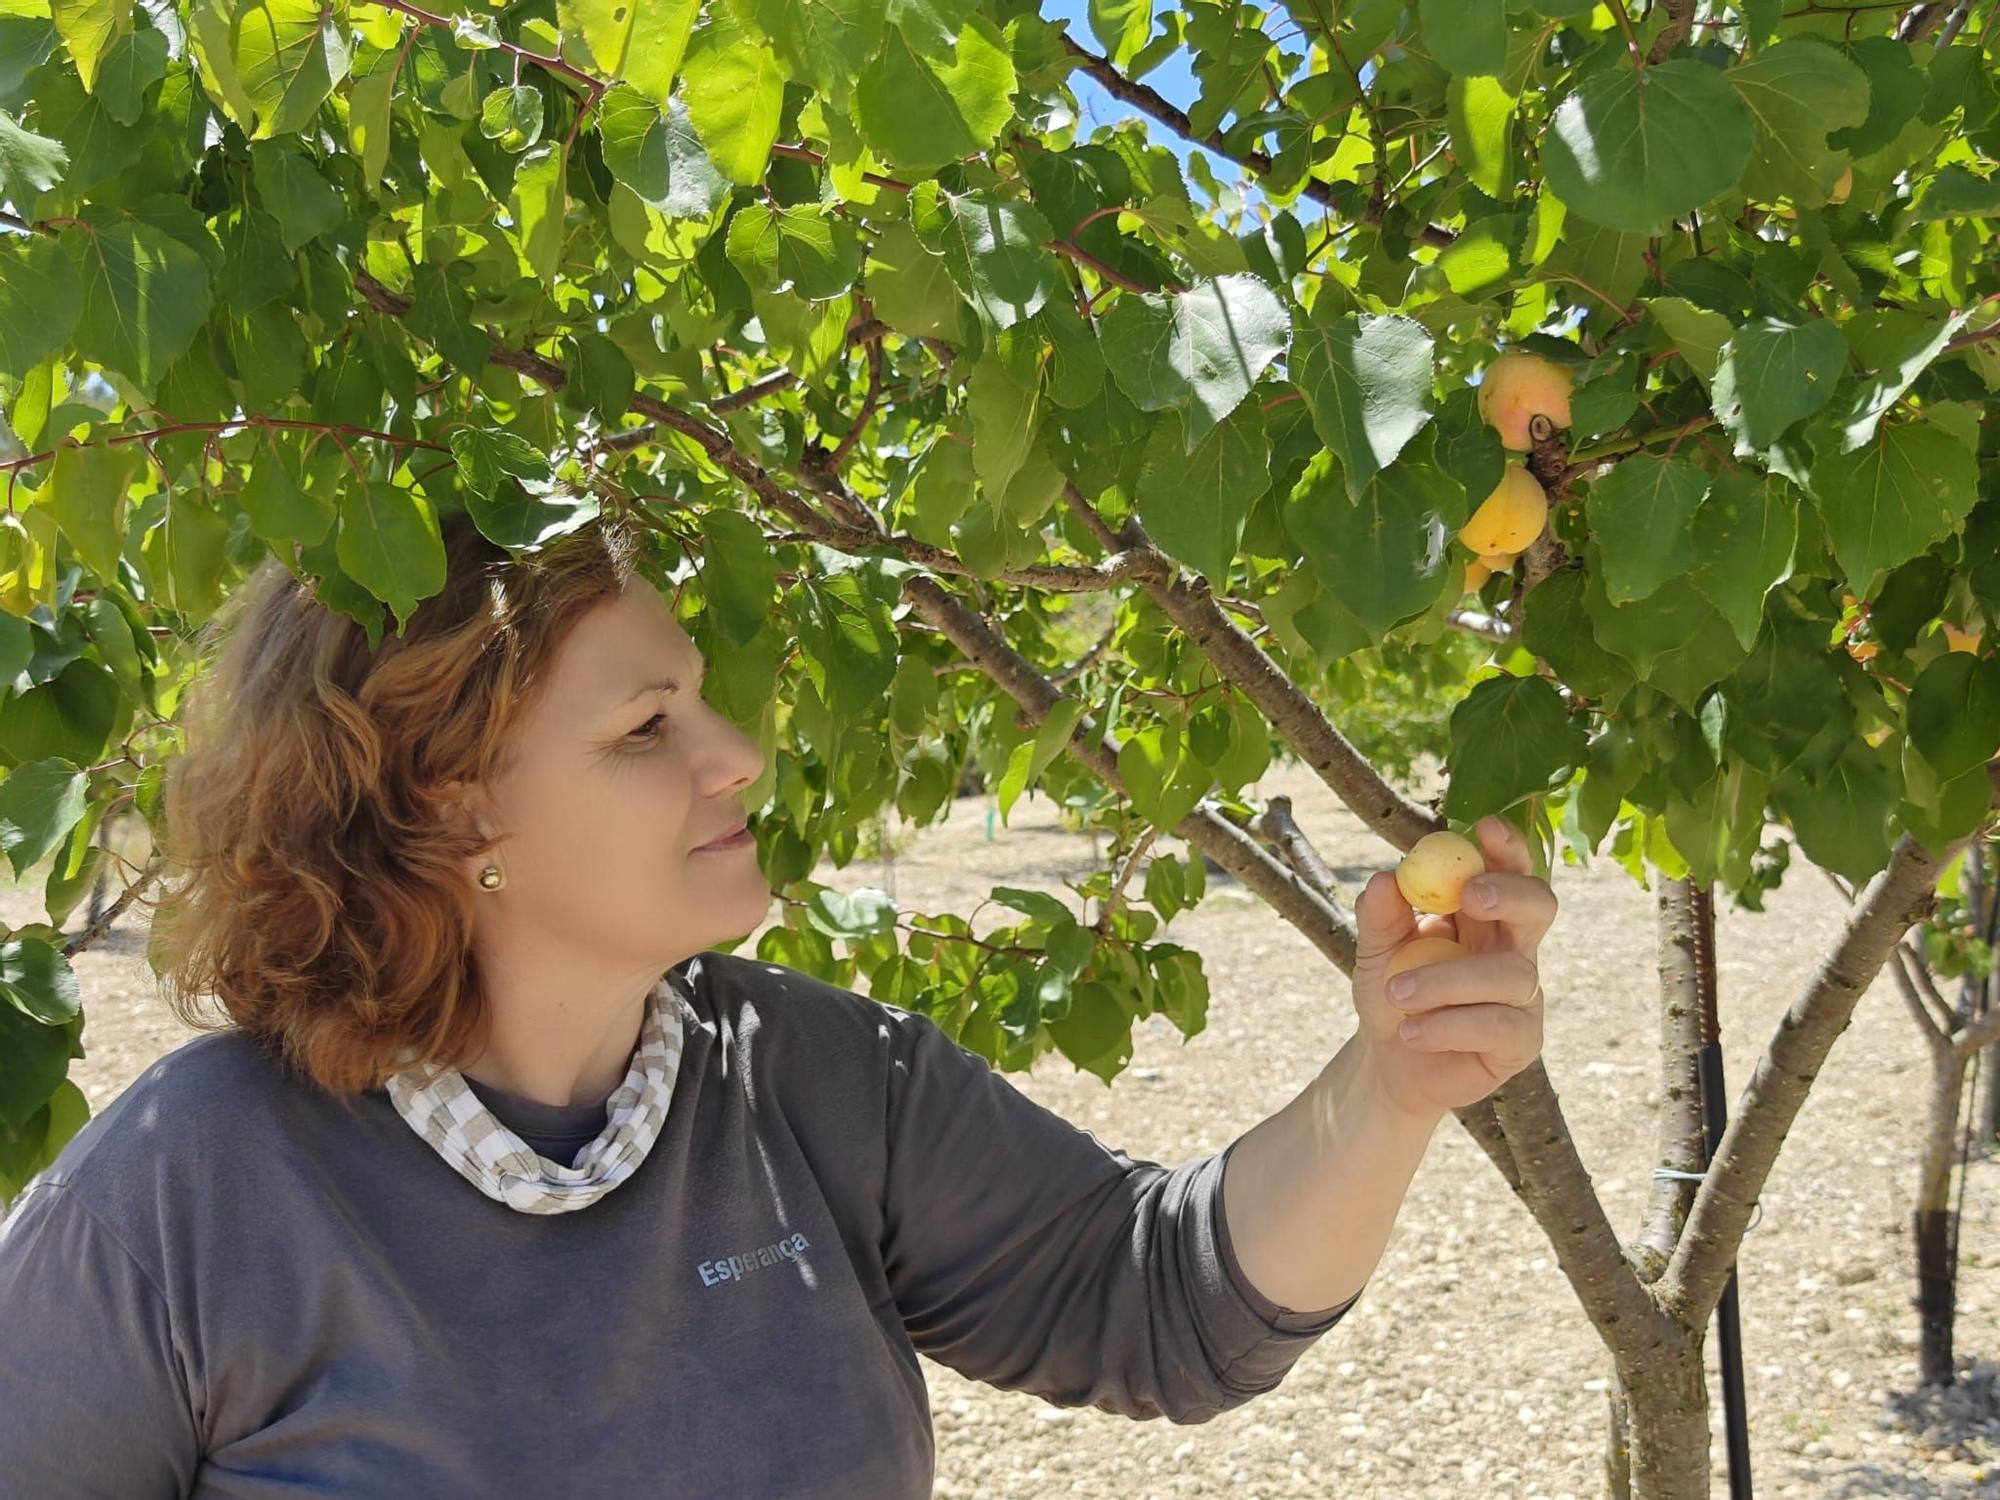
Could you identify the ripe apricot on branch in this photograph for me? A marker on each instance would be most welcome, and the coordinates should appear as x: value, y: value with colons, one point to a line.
x: 1476, y: 573
x: 1509, y: 518
x: 1519, y: 386
x: 1432, y: 875
x: 1499, y: 562
x: 1428, y: 948
x: 1962, y: 640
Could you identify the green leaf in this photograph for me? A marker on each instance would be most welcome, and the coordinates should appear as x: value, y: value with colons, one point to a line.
x: 132, y: 66
x: 1195, y: 504
x: 740, y: 577
x: 826, y: 43
x: 511, y: 117
x: 389, y: 543
x: 803, y: 250
x: 1385, y: 551
x: 1467, y: 447
x: 29, y: 163
x: 1367, y: 381
x: 1096, y: 1033
x: 539, y: 204
x: 143, y: 295
x: 368, y: 121
x: 1774, y: 373
x: 1912, y: 342
x: 90, y: 29
x: 1510, y: 738
x: 1164, y: 784
x: 1908, y: 487
x: 1632, y: 150
x: 487, y: 455
x: 919, y: 112
x: 1121, y: 27
x: 1954, y: 193
x: 1642, y: 514
x: 1955, y: 712
x: 441, y: 315
x: 288, y: 55
x: 1466, y: 36
x: 304, y: 203
x: 641, y: 42
x: 1798, y: 90
x: 1744, y: 535
x: 38, y: 301
x: 1481, y: 116
x: 992, y: 248
x: 36, y: 977
x: 1198, y: 351
x: 256, y: 267
x: 86, y: 494
x: 914, y: 294
x: 601, y: 377
x: 39, y: 805
x: 1698, y: 334
x: 1841, y: 817
x: 657, y: 155
x: 1006, y: 418
x: 735, y: 90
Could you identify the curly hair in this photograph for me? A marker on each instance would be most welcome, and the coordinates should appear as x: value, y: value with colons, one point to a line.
x: 325, y: 901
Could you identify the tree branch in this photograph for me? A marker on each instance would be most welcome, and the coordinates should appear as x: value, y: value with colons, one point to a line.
x: 1292, y: 713
x: 1150, y: 103
x: 1901, y: 892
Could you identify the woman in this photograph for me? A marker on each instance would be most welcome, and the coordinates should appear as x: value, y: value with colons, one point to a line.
x: 497, y: 1180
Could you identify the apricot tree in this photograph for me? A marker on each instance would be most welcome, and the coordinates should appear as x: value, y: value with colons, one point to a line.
x: 902, y: 364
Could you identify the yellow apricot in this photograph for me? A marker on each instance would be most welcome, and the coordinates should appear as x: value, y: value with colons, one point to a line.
x: 1841, y: 187
x: 1428, y: 948
x: 1517, y: 387
x: 1862, y: 650
x: 1476, y: 573
x: 1962, y: 640
x: 1499, y: 562
x: 1509, y: 518
x: 1433, y: 873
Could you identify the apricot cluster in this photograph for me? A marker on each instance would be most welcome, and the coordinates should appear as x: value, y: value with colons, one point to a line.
x: 1517, y: 388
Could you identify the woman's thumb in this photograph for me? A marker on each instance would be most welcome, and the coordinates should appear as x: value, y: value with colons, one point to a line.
x: 1383, y: 920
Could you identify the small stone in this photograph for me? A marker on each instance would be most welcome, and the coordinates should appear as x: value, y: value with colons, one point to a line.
x: 1055, y: 1416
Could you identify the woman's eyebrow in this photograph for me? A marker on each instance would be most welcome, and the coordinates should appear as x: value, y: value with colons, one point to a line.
x: 664, y: 685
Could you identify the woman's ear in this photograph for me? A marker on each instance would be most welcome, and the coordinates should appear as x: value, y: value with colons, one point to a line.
x: 468, y: 808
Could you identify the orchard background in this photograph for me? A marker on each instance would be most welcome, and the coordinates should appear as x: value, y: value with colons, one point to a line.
x: 1594, y: 399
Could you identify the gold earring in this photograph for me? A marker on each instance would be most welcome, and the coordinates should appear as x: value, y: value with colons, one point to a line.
x: 490, y: 878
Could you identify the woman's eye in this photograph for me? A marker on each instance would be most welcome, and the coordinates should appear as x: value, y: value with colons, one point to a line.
x: 643, y: 734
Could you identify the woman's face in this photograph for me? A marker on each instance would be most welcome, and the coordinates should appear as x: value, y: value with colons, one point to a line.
x: 619, y: 779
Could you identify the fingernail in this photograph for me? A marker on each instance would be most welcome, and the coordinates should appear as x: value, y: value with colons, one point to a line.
x: 1408, y: 1030
x: 1402, y: 986
x: 1484, y: 895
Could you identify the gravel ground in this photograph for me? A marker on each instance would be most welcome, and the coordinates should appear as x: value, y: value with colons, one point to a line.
x: 1427, y: 1390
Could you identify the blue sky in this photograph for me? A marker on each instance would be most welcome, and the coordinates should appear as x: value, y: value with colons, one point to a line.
x: 1174, y: 81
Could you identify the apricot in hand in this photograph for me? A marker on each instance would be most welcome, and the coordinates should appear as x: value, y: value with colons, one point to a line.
x: 1517, y: 388
x: 1509, y: 518
x: 1432, y: 875
x: 1429, y: 948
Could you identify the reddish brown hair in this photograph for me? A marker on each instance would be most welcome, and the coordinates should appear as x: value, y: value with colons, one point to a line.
x: 320, y: 890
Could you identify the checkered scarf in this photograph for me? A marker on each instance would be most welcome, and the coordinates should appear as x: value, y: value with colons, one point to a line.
x: 447, y: 1114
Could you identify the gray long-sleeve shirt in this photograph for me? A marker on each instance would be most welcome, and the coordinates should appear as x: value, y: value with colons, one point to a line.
x: 229, y: 1286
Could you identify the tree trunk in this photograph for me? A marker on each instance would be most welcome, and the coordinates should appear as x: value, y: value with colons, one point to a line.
x: 1931, y: 1218
x: 1618, y: 1450
x: 1664, y: 1426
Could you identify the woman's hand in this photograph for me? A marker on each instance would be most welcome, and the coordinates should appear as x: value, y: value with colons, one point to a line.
x: 1478, y: 1019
